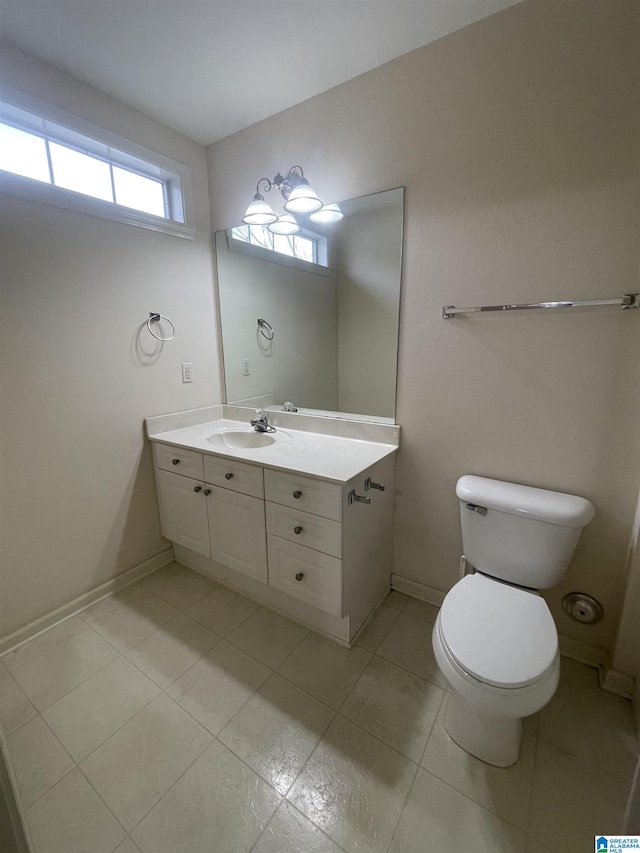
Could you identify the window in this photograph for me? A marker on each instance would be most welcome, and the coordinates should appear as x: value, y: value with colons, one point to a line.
x: 306, y: 246
x: 94, y: 172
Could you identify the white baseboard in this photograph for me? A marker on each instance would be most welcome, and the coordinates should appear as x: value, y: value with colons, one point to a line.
x: 618, y: 683
x: 583, y: 653
x: 84, y: 600
x: 418, y: 590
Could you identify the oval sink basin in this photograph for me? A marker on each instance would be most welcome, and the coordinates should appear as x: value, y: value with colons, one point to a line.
x: 237, y: 439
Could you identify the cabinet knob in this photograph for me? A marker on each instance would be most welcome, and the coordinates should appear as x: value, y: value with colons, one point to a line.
x: 228, y: 475
x: 197, y: 489
x: 175, y: 461
x: 299, y: 576
x: 297, y: 530
x: 207, y: 491
x: 297, y: 494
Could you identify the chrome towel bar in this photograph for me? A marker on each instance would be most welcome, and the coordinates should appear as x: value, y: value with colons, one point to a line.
x: 627, y: 300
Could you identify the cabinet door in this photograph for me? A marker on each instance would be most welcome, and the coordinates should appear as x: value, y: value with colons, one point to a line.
x: 183, y: 511
x: 237, y: 527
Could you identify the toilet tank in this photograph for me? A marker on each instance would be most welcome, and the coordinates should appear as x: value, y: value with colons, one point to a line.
x: 519, y: 534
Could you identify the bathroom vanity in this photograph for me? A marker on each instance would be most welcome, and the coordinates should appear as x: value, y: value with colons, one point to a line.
x: 300, y: 519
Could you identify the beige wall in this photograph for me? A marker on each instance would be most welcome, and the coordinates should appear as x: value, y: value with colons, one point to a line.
x: 517, y: 140
x: 626, y: 657
x: 78, y: 498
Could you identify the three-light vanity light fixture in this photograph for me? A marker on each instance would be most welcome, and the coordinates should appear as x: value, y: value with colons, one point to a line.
x: 299, y: 199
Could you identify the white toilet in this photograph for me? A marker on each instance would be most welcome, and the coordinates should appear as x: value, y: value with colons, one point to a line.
x: 495, y: 640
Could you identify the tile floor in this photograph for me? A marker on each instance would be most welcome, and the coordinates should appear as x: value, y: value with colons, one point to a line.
x: 179, y: 717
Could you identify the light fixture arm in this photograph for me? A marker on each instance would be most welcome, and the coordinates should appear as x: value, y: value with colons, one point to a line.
x: 285, y: 185
x: 298, y: 195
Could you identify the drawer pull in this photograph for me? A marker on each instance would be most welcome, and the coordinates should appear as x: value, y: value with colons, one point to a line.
x: 352, y: 497
x: 175, y: 461
x: 297, y: 494
x: 228, y: 475
x: 299, y: 576
x: 369, y: 484
x: 197, y: 488
x: 297, y: 530
x: 207, y: 491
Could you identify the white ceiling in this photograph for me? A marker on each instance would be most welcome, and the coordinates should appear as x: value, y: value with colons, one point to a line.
x: 209, y: 68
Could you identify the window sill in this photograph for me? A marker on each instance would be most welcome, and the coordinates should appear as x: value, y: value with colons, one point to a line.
x: 47, y: 194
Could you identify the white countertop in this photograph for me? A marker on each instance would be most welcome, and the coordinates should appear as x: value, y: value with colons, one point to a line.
x: 330, y: 457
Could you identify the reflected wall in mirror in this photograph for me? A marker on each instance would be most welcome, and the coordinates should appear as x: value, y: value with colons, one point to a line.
x: 331, y: 295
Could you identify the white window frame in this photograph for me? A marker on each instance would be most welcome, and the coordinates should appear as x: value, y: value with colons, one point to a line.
x: 324, y: 248
x: 28, y: 113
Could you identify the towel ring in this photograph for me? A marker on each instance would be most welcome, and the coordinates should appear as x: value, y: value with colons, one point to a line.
x: 269, y: 334
x: 155, y: 318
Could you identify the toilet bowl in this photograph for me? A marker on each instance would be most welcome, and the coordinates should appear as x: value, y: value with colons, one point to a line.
x: 497, y: 647
x: 495, y: 640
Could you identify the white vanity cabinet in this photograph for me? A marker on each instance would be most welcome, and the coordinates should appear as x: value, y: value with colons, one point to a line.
x: 226, y: 522
x: 237, y: 532
x: 314, y: 549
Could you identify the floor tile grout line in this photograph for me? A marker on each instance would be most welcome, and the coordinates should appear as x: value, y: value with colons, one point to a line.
x: 588, y: 763
x: 443, y: 699
x: 56, y: 646
x: 468, y: 796
x: 378, y: 738
x: 104, y: 802
x: 75, y: 686
x: 228, y: 638
x: 62, y: 746
x: 291, y: 805
x: 533, y: 777
x: 76, y: 766
x: 175, y: 782
x: 304, y: 764
x: 115, y: 731
x: 411, y: 671
x: 476, y: 803
x: 164, y: 689
x: 382, y: 639
x: 5, y: 655
x: 402, y: 810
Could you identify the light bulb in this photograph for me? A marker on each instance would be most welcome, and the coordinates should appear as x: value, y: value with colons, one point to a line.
x: 303, y: 199
x: 327, y: 213
x: 259, y: 212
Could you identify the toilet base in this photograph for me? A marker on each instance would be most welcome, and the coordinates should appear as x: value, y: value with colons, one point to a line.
x: 492, y: 740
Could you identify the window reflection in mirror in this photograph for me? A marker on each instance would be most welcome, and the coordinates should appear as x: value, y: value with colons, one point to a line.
x: 333, y: 304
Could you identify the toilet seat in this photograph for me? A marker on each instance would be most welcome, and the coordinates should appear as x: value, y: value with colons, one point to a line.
x: 501, y: 635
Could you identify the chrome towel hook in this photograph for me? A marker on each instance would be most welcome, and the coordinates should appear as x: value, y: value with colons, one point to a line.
x: 266, y: 330
x: 155, y: 318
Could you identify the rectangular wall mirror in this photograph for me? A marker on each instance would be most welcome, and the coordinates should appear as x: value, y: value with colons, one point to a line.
x: 312, y: 319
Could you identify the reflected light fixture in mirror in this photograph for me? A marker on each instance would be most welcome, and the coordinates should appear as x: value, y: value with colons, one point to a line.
x: 328, y: 213
x: 285, y: 224
x: 299, y: 198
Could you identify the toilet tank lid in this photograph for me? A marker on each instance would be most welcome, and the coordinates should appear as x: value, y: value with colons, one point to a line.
x: 526, y: 501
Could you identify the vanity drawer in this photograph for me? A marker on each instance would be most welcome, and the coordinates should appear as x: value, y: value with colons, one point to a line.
x: 237, y: 476
x: 306, y: 574
x: 304, y: 493
x: 179, y: 460
x: 313, y: 531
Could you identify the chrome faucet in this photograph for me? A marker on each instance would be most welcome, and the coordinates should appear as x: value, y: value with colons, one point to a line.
x: 261, y: 422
